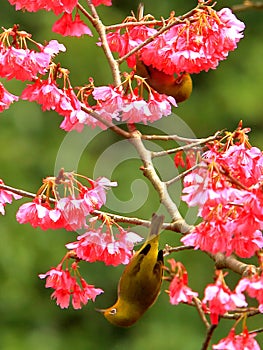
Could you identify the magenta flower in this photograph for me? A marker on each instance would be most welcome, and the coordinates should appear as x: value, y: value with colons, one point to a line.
x: 219, y: 299
x: 66, y: 287
x: 96, y: 245
x: 241, y: 341
x: 66, y: 26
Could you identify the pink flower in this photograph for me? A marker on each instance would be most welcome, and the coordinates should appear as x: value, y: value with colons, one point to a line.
x: 241, y: 341
x: 254, y: 287
x: 65, y: 286
x: 41, y: 215
x: 220, y: 299
x: 186, y: 47
x: 101, y: 2
x: 96, y: 245
x: 6, y: 197
x: 56, y: 6
x: 25, y: 64
x: 195, y: 47
x: 6, y: 98
x: 68, y: 27
x: 232, y: 213
x: 179, y: 292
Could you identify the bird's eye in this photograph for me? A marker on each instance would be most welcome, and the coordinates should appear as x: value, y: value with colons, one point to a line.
x: 113, y: 311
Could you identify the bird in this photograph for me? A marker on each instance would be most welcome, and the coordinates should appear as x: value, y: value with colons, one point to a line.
x: 140, y: 283
x: 179, y: 87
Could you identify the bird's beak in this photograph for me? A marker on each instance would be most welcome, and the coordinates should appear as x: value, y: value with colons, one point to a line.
x: 100, y: 310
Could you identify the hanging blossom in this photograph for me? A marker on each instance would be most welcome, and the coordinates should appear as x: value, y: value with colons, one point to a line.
x: 101, y: 2
x: 69, y: 212
x: 66, y: 26
x: 228, y: 192
x: 245, y: 340
x: 69, y: 288
x: 179, y: 292
x: 6, y: 98
x: 57, y: 7
x: 97, y: 245
x: 18, y: 62
x: 6, y: 197
x: 254, y: 287
x: 131, y: 107
x: 196, y: 45
x: 219, y: 299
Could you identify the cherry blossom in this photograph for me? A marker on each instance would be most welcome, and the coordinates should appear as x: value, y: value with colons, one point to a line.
x: 66, y: 26
x: 96, y: 245
x: 21, y: 63
x: 101, y: 2
x: 56, y: 6
x: 245, y: 340
x: 69, y: 212
x: 66, y: 286
x: 186, y: 47
x: 219, y: 299
x: 6, y: 197
x: 6, y: 98
x: 179, y: 292
x: 254, y: 287
x: 227, y: 188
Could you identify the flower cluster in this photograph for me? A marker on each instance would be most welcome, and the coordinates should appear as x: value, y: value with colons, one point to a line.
x: 50, y: 5
x: 96, y: 245
x: 68, y: 287
x: 254, y: 287
x: 18, y: 62
x: 66, y: 26
x: 131, y: 107
x: 219, y: 298
x: 6, y: 197
x: 179, y: 292
x: 69, y: 212
x: 197, y: 44
x: 227, y: 187
x: 245, y: 340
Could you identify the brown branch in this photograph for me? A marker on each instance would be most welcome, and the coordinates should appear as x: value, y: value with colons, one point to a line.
x: 182, y: 175
x: 198, y: 304
x: 100, y: 28
x: 168, y: 249
x: 107, y: 123
x: 247, y: 5
x: 218, y: 134
x: 161, y: 188
x: 230, y: 262
x: 190, y: 145
x: 208, y: 337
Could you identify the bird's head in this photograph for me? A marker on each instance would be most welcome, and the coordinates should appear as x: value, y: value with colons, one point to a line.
x: 122, y: 315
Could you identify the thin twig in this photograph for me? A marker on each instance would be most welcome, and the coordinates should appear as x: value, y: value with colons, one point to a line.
x: 100, y: 28
x: 247, y: 5
x: 208, y: 337
x: 181, y: 138
x: 191, y: 145
x: 182, y: 175
x: 161, y: 188
x: 107, y: 123
x: 200, y: 310
x: 168, y: 249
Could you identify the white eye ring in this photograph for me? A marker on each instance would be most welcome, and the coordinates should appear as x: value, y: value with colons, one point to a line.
x: 113, y: 311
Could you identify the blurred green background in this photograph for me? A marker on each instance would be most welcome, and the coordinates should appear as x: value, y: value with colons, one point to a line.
x: 33, y: 147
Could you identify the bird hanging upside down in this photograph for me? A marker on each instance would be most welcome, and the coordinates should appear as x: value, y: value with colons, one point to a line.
x: 140, y: 283
x: 179, y: 87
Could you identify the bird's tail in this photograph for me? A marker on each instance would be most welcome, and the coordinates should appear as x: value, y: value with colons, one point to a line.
x: 156, y: 224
